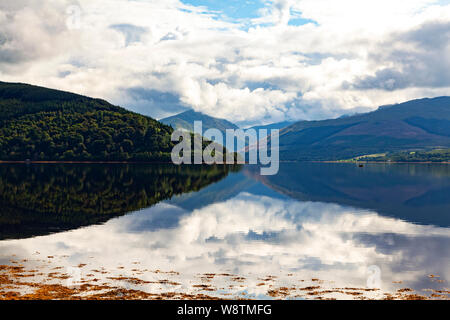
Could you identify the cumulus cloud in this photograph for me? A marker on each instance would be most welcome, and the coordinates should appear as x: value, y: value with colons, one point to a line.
x: 26, y: 35
x: 356, y: 55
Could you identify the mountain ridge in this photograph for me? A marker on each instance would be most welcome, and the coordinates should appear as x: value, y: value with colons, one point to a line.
x: 416, y: 124
x: 45, y: 124
x: 185, y: 120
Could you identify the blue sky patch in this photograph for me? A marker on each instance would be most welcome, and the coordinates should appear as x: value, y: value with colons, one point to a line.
x: 242, y: 11
x: 234, y: 9
x: 299, y: 21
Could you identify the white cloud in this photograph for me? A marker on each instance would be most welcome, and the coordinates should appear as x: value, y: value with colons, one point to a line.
x: 269, y: 72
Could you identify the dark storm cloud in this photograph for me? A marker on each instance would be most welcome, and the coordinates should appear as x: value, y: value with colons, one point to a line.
x: 430, y: 36
x: 426, y: 65
x: 11, y: 51
x: 159, y: 104
x: 10, y: 56
x: 386, y: 79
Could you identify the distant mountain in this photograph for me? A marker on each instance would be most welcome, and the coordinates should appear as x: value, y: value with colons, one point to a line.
x: 37, y: 123
x: 186, y: 120
x: 278, y: 125
x: 413, y: 125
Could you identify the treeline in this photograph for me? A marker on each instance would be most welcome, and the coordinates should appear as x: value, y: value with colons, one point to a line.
x: 437, y: 155
x: 79, y: 129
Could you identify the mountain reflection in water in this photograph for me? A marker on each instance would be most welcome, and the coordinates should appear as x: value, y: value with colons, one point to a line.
x: 324, y: 221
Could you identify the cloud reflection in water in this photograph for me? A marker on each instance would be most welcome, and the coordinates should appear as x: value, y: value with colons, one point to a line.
x: 256, y: 236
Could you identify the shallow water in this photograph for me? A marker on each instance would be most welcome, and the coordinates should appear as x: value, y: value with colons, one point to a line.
x: 312, y: 230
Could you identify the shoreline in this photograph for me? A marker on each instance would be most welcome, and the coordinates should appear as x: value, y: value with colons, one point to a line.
x: 80, y: 162
x: 160, y: 162
x: 387, y: 162
x: 21, y: 281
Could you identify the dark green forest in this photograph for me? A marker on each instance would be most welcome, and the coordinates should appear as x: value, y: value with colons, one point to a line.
x: 44, y: 198
x: 49, y: 125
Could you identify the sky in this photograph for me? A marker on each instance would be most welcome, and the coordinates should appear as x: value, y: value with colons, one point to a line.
x: 251, y: 62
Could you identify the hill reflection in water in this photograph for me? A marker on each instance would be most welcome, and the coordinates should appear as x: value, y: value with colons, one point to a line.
x: 40, y: 199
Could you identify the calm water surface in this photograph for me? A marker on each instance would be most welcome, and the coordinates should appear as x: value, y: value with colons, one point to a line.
x: 332, y: 224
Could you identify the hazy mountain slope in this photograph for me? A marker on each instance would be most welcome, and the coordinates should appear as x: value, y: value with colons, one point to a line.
x: 186, y: 120
x: 416, y: 124
x: 277, y: 125
x: 44, y: 124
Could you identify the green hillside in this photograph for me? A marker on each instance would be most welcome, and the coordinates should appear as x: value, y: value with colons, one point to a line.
x: 43, y: 124
x: 413, y: 125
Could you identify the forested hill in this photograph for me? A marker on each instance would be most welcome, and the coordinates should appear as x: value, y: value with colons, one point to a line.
x: 37, y: 123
